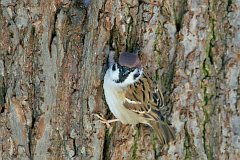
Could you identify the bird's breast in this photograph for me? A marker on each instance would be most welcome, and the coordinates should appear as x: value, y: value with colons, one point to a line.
x: 115, y: 98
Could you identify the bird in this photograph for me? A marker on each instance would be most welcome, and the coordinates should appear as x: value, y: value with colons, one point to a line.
x: 133, y: 97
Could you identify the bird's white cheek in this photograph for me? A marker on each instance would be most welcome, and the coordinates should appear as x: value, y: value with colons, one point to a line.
x: 115, y: 74
x: 130, y: 79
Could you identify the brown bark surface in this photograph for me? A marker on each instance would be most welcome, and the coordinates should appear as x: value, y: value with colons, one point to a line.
x: 53, y: 57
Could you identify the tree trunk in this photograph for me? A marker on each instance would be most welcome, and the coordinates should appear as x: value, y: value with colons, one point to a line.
x: 53, y: 57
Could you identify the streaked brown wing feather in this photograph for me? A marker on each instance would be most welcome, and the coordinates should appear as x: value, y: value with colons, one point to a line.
x: 144, y: 99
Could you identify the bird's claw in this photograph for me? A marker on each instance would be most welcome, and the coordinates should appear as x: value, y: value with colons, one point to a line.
x: 104, y: 121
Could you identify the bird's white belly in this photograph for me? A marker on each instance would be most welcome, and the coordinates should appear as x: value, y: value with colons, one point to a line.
x: 115, y: 98
x: 114, y: 102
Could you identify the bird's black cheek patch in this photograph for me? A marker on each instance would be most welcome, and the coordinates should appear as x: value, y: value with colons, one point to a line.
x: 114, y: 67
x: 136, y: 75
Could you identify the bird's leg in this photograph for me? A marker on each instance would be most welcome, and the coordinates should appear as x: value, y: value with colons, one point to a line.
x: 104, y: 121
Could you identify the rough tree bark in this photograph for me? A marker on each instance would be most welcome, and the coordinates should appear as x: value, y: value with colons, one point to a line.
x: 52, y: 62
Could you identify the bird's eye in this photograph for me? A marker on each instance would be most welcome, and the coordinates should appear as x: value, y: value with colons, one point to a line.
x: 125, y: 71
x: 114, y: 67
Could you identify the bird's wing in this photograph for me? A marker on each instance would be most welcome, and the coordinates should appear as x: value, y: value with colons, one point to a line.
x: 142, y: 98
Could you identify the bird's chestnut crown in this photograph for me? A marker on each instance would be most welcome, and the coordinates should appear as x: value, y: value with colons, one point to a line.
x: 127, y: 70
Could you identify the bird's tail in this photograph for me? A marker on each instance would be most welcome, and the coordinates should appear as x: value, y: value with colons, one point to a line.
x: 165, y: 133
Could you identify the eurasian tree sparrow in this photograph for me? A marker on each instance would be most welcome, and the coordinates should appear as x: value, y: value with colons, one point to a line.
x: 132, y: 96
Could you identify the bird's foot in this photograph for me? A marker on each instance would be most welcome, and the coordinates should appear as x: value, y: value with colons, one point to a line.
x: 105, y: 121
